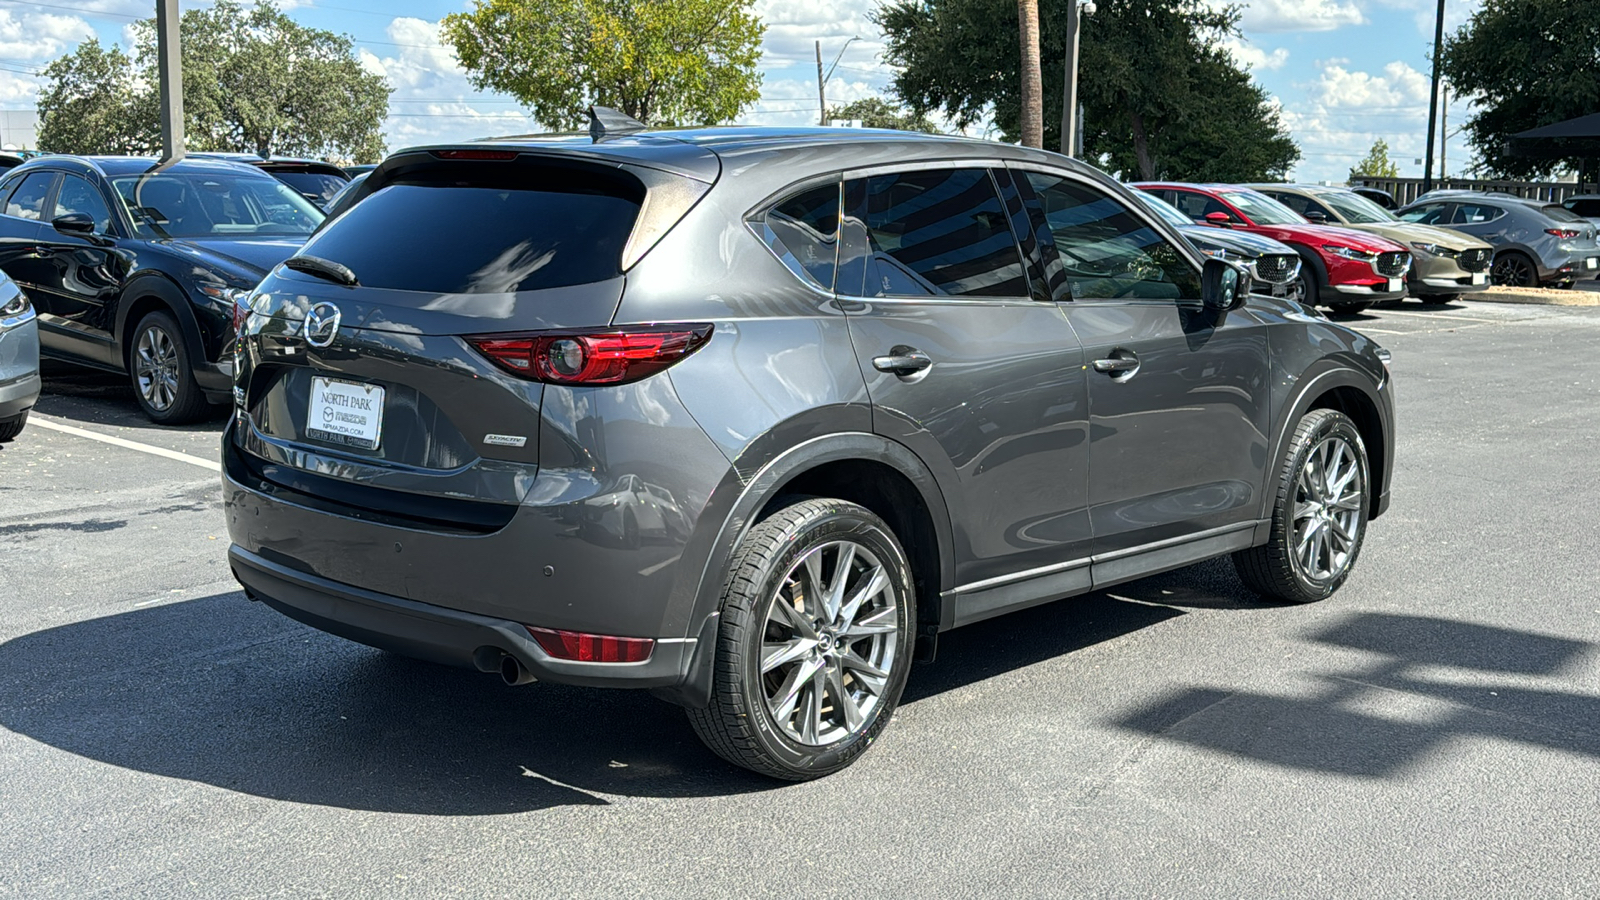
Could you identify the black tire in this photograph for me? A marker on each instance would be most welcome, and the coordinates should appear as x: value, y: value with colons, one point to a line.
x: 1276, y: 569
x: 10, y: 428
x: 1513, y: 269
x: 1308, y: 285
x: 161, y: 373
x: 739, y: 725
x: 1439, y: 299
x: 630, y: 531
x: 1350, y: 309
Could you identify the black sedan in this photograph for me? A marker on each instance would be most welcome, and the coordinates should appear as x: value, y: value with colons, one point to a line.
x: 135, y: 268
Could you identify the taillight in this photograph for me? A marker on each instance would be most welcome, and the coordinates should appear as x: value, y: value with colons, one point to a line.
x: 612, y: 356
x: 1565, y: 233
x: 581, y: 647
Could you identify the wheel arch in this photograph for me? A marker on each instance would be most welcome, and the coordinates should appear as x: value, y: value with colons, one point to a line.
x: 1350, y: 392
x: 154, y: 293
x: 879, y: 474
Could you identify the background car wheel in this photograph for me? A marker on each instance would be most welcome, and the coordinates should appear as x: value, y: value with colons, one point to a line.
x: 630, y: 531
x: 1308, y: 286
x: 10, y: 428
x: 815, y: 641
x: 1350, y: 309
x: 1513, y: 269
x: 163, y: 380
x: 1320, y: 515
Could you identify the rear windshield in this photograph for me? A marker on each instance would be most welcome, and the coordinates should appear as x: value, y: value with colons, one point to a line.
x: 1560, y: 213
x: 318, y: 187
x: 214, y: 204
x: 523, y: 230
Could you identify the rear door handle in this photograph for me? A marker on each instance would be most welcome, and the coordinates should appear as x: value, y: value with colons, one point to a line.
x: 902, y: 361
x: 1117, y: 364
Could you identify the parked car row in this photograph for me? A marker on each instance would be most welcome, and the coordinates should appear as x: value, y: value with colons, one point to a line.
x: 1536, y: 243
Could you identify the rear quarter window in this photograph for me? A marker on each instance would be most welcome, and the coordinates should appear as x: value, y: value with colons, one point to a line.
x: 485, y: 229
x: 803, y: 232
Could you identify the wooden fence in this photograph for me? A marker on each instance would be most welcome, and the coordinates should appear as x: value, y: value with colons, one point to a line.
x: 1405, y: 190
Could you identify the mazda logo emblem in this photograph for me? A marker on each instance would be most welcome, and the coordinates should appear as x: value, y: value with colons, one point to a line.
x: 322, y: 324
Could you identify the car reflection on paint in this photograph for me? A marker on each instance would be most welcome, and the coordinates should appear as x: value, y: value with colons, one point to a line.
x: 630, y: 512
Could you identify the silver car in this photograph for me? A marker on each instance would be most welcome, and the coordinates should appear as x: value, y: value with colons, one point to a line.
x: 1536, y: 243
x: 19, y: 359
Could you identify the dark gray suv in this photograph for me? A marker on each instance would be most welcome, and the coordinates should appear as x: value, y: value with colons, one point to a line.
x: 748, y: 417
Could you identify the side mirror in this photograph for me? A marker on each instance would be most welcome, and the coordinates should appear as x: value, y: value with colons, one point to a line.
x: 1219, y: 219
x: 1223, y: 285
x: 77, y: 223
x: 1315, y: 217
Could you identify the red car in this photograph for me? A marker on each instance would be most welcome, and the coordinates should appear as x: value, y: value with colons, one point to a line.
x: 1344, y: 270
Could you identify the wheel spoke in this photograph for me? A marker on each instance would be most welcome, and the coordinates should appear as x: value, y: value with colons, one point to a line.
x: 843, y: 702
x: 813, y: 724
x: 876, y: 580
x: 775, y: 655
x: 883, y: 621
x: 870, y: 676
x: 1350, y: 500
x: 791, y: 618
x: 1303, y: 510
x: 787, y: 696
x: 816, y: 588
x: 843, y: 564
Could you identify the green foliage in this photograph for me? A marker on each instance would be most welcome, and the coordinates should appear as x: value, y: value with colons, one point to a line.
x: 876, y: 112
x: 1377, y: 164
x: 1161, y: 98
x: 663, y: 62
x: 92, y: 102
x: 254, y: 81
x: 1523, y: 64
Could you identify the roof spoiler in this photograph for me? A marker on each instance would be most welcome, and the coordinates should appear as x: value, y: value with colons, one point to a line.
x: 606, y: 123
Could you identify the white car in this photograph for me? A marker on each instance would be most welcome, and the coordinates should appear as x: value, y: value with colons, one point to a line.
x: 19, y: 359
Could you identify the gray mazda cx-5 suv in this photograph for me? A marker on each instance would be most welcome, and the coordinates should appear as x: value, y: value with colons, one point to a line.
x: 748, y: 417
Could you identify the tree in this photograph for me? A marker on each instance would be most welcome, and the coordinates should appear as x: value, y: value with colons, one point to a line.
x: 1031, y: 127
x: 663, y: 62
x: 876, y: 112
x: 92, y: 102
x: 1377, y: 164
x: 1161, y: 97
x: 1523, y: 64
x: 254, y: 81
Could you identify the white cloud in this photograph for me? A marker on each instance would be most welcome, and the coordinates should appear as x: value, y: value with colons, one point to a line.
x: 39, y: 35
x: 1299, y: 15
x: 1346, y: 110
x: 1254, y: 58
x: 433, y: 102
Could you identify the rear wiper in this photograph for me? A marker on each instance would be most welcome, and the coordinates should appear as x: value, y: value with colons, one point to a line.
x: 323, y: 268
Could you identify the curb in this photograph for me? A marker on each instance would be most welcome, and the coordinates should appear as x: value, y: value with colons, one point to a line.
x: 1538, y: 296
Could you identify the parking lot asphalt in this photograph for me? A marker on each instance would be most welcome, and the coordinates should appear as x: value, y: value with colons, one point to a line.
x: 1432, y: 730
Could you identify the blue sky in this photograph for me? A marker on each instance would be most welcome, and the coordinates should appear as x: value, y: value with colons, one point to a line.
x: 1344, y: 71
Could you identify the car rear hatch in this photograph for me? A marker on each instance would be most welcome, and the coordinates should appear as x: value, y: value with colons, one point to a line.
x: 359, y: 389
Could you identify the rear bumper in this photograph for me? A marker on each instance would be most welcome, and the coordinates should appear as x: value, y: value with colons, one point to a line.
x: 437, y: 634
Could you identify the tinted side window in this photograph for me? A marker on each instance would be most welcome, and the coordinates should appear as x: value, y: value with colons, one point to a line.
x: 803, y: 230
x: 79, y: 196
x: 1301, y: 204
x: 1474, y: 213
x: 1197, y: 206
x: 486, y: 229
x: 1590, y: 208
x: 1105, y: 250
x: 939, y: 232
x: 28, y: 201
x: 1424, y: 215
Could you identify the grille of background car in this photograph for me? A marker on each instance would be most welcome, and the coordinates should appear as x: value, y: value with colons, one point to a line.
x: 1393, y: 264
x: 1476, y: 260
x: 1274, y: 267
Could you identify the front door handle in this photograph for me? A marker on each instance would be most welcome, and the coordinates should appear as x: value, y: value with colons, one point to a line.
x: 1116, y: 365
x: 902, y: 361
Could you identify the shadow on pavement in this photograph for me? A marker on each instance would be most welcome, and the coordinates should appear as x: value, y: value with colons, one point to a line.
x: 104, y: 398
x: 1333, y: 730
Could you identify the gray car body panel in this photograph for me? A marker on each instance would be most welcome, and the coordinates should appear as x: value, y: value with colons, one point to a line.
x: 1521, y: 229
x: 785, y: 385
x: 19, y: 355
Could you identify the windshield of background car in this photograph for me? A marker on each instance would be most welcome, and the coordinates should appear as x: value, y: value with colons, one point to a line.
x: 1356, y: 209
x: 1165, y: 210
x: 318, y: 187
x: 487, y: 228
x: 1261, y: 209
x: 214, y: 204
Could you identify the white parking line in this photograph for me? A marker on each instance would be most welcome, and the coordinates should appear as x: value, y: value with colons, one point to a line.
x: 46, y: 422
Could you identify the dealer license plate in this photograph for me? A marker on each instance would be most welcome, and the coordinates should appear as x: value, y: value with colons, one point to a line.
x: 1480, y: 277
x: 343, y: 412
x: 1591, y: 262
x: 1394, y: 284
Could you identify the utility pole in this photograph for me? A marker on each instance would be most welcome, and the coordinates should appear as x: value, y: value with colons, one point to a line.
x: 1070, y: 140
x: 1433, y: 99
x: 1444, y: 130
x: 170, y: 68
x: 822, y: 97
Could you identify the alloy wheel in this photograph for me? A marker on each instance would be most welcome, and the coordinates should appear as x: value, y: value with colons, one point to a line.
x: 829, y: 643
x: 1329, y: 494
x: 1513, y: 271
x: 155, y: 368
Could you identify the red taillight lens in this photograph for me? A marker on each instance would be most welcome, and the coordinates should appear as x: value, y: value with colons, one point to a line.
x: 475, y: 154
x: 1567, y: 233
x: 614, y: 356
x: 576, y: 645
x: 241, y: 315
